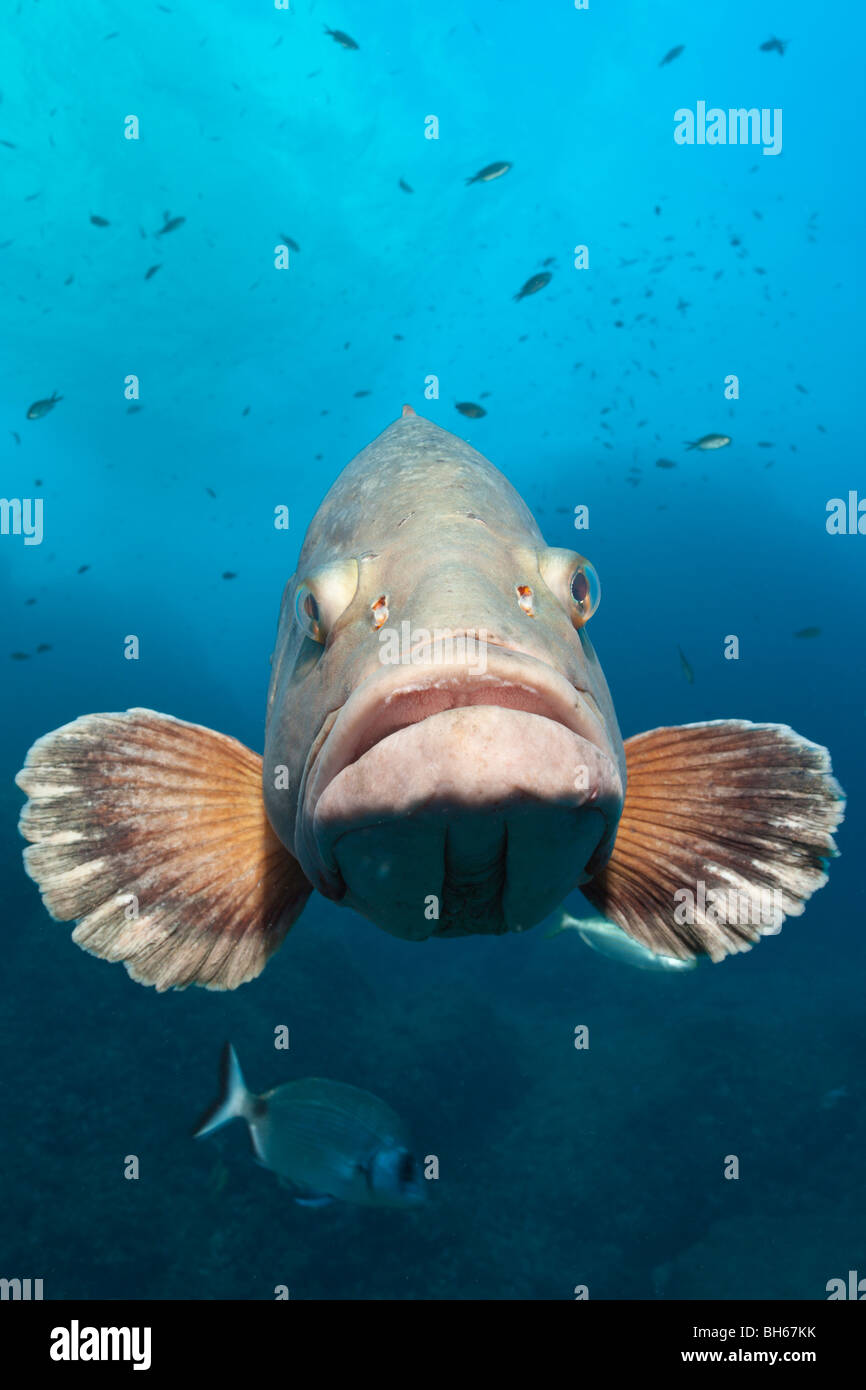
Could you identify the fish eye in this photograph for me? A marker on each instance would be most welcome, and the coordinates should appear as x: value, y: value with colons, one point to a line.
x: 324, y: 596
x: 585, y: 590
x: 573, y: 580
x: 307, y: 613
x: 406, y: 1170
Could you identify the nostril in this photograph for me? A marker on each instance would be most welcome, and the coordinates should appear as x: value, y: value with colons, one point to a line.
x: 524, y: 600
x: 380, y: 612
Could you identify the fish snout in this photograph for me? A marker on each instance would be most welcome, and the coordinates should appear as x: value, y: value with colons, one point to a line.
x: 448, y: 802
x: 396, y: 1179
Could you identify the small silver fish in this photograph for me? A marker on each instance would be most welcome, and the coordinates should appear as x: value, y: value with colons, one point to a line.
x: 342, y: 39
x: 534, y: 284
x: 490, y: 172
x: 611, y: 941
x: 687, y: 670
x: 709, y: 441
x: 171, y: 224
x: 324, y: 1139
x: 40, y: 408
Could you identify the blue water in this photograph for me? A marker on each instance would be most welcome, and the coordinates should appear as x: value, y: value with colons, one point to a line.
x: 558, y: 1168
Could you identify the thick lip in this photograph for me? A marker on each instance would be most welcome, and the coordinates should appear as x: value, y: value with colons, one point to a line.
x: 397, y: 697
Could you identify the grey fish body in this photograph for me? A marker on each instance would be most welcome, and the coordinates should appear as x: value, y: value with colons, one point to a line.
x: 490, y: 172
x: 534, y: 284
x: 610, y: 940
x: 324, y: 1138
x: 709, y: 441
x: 342, y: 39
x: 40, y: 408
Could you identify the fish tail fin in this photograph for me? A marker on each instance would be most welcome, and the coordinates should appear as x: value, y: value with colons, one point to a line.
x: 151, y: 834
x: 474, y: 179
x: 690, y: 443
x: 235, y: 1101
x: 563, y: 921
x: 727, y: 829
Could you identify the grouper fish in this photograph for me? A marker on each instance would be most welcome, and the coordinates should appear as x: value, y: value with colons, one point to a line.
x: 442, y: 756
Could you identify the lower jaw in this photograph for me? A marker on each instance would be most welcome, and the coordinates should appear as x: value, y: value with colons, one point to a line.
x: 472, y: 820
x: 435, y: 876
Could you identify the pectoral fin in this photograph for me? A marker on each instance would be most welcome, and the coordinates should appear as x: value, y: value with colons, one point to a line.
x: 151, y: 834
x: 727, y: 829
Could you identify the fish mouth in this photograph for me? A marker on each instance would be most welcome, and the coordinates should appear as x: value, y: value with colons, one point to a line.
x: 440, y: 778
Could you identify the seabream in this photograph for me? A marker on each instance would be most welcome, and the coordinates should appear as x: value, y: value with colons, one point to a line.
x: 323, y: 1139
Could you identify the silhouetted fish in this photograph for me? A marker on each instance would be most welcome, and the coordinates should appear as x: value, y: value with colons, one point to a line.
x: 490, y: 172
x: 40, y: 408
x: 469, y: 408
x: 687, y: 670
x: 671, y: 54
x: 342, y: 39
x: 534, y: 284
x: 171, y: 224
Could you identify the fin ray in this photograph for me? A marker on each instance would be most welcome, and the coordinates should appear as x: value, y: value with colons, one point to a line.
x: 141, y: 808
x: 746, y: 809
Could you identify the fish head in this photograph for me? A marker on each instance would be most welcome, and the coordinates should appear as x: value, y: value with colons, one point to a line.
x: 395, y: 1178
x: 442, y: 751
